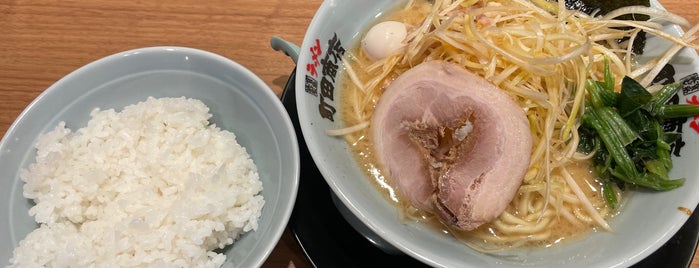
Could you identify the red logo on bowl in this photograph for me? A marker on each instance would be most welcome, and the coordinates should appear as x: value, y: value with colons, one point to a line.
x: 316, y: 51
x: 695, y: 121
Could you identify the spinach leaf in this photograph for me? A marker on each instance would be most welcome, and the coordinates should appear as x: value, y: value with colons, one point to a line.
x: 625, y: 132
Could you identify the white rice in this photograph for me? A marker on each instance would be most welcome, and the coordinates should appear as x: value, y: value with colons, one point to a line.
x: 154, y: 185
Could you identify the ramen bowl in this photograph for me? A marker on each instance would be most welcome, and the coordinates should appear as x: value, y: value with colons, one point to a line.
x: 646, y: 222
x: 237, y: 99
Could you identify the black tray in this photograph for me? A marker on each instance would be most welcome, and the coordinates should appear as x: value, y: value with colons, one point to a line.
x: 329, y: 241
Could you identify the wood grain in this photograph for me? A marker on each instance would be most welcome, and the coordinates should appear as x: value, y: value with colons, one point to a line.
x: 44, y: 40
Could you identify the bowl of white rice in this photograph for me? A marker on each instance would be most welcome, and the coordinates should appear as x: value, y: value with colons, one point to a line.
x: 154, y: 157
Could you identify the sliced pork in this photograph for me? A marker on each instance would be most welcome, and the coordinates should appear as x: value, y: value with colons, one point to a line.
x: 452, y: 143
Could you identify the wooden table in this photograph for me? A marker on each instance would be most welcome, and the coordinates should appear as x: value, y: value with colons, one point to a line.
x: 43, y: 40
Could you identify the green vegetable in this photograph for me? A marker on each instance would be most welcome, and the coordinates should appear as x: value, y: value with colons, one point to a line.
x: 677, y: 110
x: 600, y: 95
x: 633, y: 97
x: 605, y: 122
x: 625, y: 131
x: 609, y: 194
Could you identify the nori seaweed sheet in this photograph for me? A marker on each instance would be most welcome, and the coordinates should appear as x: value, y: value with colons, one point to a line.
x: 605, y: 6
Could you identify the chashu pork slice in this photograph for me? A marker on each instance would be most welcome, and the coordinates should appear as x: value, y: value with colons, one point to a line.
x: 452, y: 143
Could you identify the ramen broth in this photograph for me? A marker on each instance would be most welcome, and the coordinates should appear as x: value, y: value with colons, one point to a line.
x: 560, y: 230
x: 550, y: 230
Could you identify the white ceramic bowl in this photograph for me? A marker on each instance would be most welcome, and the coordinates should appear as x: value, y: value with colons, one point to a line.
x: 238, y: 100
x: 647, y: 222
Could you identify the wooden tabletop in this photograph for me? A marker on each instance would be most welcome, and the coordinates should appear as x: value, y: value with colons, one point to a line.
x: 43, y: 40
